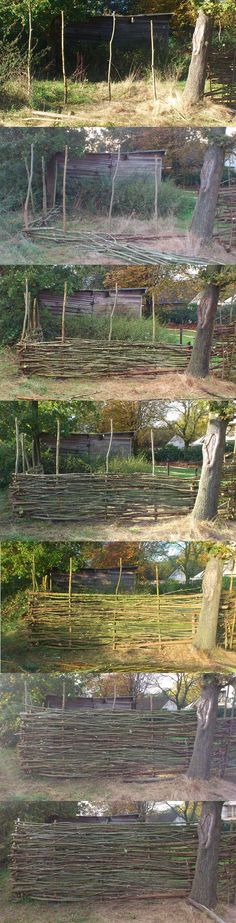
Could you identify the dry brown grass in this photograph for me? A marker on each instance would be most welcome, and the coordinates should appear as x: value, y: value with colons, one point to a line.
x: 159, y: 911
x: 132, y: 104
x: 15, y: 386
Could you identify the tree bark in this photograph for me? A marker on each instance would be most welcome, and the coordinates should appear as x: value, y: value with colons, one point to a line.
x: 202, y: 225
x: 204, y: 887
x: 200, y: 358
x: 201, y: 759
x: 195, y: 84
x: 206, y: 504
x: 205, y: 638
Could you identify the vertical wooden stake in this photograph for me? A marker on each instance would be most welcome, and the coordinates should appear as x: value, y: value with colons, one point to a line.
x: 153, y: 320
x: 156, y: 195
x: 110, y: 55
x: 22, y: 443
x: 26, y: 315
x: 44, y: 188
x: 115, y: 610
x: 29, y: 189
x: 29, y: 78
x: 64, y: 188
x: 55, y: 187
x: 153, y: 63
x: 63, y: 314
x: 113, y: 185
x: 158, y: 604
x: 109, y: 448
x: 33, y: 573
x: 26, y: 694
x: 69, y: 595
x: 31, y: 192
x: 58, y: 446
x: 153, y: 454
x: 63, y: 694
x: 63, y: 56
x: 17, y: 446
x: 112, y: 313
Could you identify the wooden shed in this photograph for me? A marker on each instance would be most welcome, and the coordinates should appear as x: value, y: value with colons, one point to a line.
x: 130, y: 301
x: 90, y: 444
x: 130, y: 31
x: 103, y: 163
x: 98, y: 578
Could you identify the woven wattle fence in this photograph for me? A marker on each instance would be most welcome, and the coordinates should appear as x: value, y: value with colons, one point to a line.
x: 78, y: 627
x: 225, y: 219
x: 93, y: 497
x: 107, y: 858
x: 64, y: 745
x: 222, y: 75
x: 78, y: 357
x: 79, y: 620
x: 93, y: 358
x: 228, y: 489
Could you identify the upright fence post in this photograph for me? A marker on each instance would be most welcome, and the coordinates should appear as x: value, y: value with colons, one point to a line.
x: 69, y: 602
x: 156, y: 196
x: 115, y: 612
x: 107, y: 465
x: 17, y: 445
x: 63, y: 56
x: 63, y: 314
x: 153, y: 62
x: 153, y: 468
x: 112, y: 313
x: 44, y: 188
x: 158, y: 605
x: 64, y: 189
x: 113, y: 184
x: 110, y: 55
x: 29, y: 78
x: 29, y: 189
x: 58, y: 446
x: 153, y: 319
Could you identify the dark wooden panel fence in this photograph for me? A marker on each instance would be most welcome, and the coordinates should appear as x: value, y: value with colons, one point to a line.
x: 60, y: 744
x: 127, y: 859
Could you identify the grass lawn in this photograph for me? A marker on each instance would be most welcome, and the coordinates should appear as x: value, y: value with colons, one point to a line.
x: 103, y: 788
x: 131, y: 104
x: 141, y: 911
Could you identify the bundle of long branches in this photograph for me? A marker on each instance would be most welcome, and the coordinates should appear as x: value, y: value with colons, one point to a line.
x: 77, y: 497
x: 60, y: 744
x: 113, y: 247
x: 101, y: 858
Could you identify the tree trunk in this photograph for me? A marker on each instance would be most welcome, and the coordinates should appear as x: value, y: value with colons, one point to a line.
x: 201, y: 759
x: 205, y: 638
x: 206, y: 504
x: 202, y: 225
x: 201, y: 354
x: 195, y: 84
x: 204, y: 887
